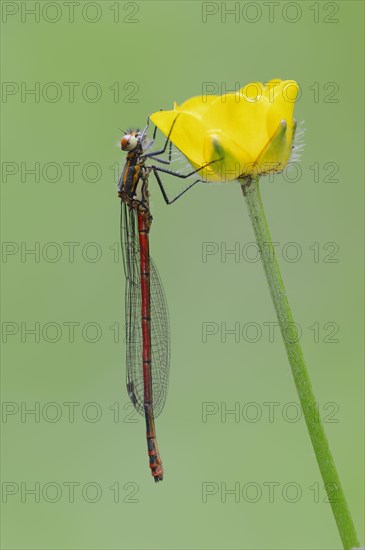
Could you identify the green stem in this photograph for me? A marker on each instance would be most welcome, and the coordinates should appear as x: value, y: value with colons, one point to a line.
x: 251, y: 192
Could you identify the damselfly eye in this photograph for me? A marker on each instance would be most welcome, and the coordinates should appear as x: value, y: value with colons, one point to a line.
x: 128, y: 142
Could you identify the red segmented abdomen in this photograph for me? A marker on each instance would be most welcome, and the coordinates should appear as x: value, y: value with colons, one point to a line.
x: 155, y: 460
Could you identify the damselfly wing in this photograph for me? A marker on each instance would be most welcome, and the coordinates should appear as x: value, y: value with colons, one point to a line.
x: 160, y: 334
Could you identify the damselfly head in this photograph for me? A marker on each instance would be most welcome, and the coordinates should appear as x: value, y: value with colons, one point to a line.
x: 129, y: 141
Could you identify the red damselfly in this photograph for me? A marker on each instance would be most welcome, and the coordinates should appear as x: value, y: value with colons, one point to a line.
x: 146, y: 313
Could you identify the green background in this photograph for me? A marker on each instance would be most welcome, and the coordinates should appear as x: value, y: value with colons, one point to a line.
x: 169, y: 52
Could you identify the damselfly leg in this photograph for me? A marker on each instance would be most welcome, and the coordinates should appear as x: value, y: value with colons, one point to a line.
x: 156, y: 156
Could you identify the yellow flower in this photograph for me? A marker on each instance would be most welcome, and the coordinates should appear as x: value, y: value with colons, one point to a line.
x: 241, y: 134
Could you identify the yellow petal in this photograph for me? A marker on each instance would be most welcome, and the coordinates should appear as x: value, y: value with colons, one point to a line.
x: 244, y: 120
x: 270, y: 158
x: 282, y: 108
x: 196, y: 105
x: 164, y: 120
x: 273, y: 88
x: 226, y: 158
x: 188, y: 133
x: 253, y: 91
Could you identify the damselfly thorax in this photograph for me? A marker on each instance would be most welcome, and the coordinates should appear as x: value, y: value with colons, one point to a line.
x: 133, y: 183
